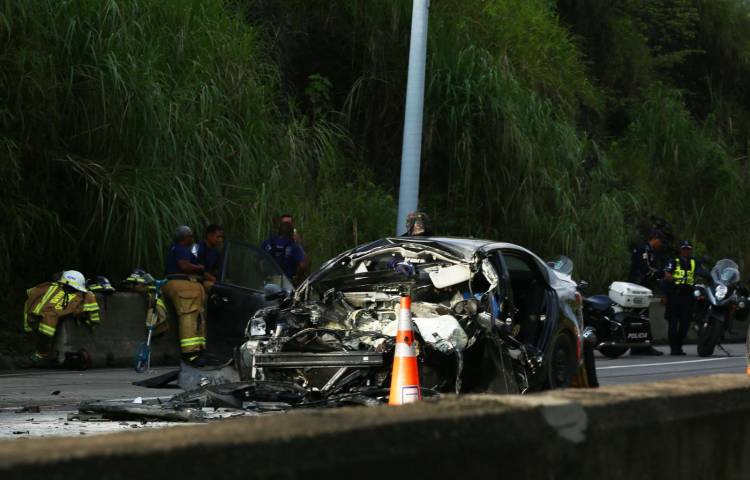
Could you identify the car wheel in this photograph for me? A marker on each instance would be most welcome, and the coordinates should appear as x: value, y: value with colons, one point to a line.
x: 613, y: 352
x: 589, y: 362
x: 561, y: 364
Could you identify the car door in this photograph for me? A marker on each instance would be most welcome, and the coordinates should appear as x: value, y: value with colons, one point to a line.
x: 239, y: 293
x: 534, y: 301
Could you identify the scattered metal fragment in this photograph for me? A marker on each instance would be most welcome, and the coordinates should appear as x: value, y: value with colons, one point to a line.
x: 127, y: 410
x: 28, y: 409
x: 160, y: 381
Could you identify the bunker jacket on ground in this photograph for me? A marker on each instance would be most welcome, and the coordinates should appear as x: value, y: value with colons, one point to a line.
x: 156, y: 309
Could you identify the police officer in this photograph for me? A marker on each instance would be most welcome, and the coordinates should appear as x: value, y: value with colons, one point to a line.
x: 184, y: 288
x: 679, y: 279
x: 643, y: 272
x: 286, y: 251
x: 643, y: 269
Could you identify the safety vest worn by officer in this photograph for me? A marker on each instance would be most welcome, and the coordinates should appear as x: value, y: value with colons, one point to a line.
x: 684, y: 277
x: 48, y: 302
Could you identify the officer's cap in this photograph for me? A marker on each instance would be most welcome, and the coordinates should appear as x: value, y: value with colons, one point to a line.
x: 686, y: 244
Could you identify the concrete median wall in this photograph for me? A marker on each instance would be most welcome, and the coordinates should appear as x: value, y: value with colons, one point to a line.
x: 683, y: 429
x: 114, y: 341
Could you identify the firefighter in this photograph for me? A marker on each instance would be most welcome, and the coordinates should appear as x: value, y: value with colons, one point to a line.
x: 679, y: 280
x: 184, y: 288
x: 48, y: 303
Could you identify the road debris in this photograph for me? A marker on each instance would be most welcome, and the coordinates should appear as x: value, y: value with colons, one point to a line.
x: 28, y: 409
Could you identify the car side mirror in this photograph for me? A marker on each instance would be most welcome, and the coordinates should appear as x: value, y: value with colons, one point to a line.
x: 272, y: 291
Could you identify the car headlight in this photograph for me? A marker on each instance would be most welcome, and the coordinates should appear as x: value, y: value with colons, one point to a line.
x: 721, y: 292
x: 696, y: 293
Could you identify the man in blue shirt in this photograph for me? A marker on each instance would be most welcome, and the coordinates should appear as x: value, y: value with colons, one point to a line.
x: 287, y: 252
x: 185, y: 290
x: 209, y: 251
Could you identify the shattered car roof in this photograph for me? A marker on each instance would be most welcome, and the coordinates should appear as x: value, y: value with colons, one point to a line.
x: 463, y: 248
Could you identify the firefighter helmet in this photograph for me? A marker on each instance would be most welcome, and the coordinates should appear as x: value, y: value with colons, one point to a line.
x: 74, y: 279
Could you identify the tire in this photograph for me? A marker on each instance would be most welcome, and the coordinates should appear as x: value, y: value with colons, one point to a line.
x: 589, y: 362
x: 612, y: 352
x: 586, y: 376
x: 561, y: 363
x: 709, y: 337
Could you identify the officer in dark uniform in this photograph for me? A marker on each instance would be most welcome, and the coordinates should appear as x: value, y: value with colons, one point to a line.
x: 286, y: 250
x: 679, y: 280
x: 643, y: 272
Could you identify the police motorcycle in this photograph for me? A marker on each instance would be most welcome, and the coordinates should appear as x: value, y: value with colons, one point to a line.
x: 620, y: 320
x: 717, y: 305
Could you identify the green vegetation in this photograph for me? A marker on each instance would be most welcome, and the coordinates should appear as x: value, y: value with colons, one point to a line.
x: 560, y: 125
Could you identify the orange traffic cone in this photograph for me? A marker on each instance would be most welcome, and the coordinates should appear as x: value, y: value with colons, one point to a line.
x: 405, y: 386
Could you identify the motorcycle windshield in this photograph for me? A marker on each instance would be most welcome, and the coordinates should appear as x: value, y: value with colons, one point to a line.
x: 561, y: 264
x: 726, y: 272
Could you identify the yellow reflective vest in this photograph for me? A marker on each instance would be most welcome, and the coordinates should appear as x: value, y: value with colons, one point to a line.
x: 684, y: 277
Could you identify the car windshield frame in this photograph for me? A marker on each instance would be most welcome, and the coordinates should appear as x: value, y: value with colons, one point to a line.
x: 259, y: 253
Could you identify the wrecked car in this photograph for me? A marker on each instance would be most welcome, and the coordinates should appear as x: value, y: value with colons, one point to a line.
x: 488, y: 317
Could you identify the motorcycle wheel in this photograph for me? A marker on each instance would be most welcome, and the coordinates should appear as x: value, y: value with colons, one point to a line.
x: 612, y: 352
x: 709, y: 337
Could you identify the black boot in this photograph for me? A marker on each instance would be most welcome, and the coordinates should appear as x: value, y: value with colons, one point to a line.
x: 650, y: 350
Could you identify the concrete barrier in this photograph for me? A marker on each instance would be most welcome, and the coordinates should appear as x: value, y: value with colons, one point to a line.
x: 683, y: 429
x: 114, y: 341
x: 659, y: 327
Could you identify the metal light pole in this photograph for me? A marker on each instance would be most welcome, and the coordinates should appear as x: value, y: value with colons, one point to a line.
x: 411, y: 152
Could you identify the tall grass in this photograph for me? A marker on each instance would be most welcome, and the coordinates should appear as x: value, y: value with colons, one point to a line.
x: 503, y: 156
x: 121, y: 119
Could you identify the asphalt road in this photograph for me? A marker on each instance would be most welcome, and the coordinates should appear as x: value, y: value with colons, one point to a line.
x: 57, y: 393
x: 639, y: 368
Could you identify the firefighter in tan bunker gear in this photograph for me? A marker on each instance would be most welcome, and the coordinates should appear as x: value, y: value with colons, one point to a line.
x: 48, y: 303
x: 184, y: 288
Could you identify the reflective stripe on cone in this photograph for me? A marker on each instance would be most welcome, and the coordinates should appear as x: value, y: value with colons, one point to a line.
x: 405, y: 387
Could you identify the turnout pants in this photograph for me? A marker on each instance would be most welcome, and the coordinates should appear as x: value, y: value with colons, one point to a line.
x: 679, y: 313
x: 188, y: 298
